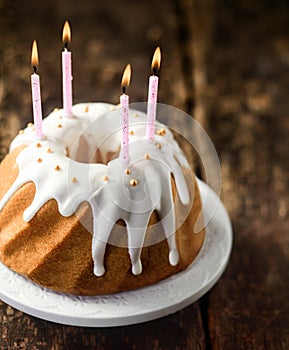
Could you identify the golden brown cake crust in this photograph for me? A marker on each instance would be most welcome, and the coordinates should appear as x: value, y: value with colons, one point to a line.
x: 55, y: 251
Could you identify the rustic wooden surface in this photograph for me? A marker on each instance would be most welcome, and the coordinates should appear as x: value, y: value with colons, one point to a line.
x: 226, y: 63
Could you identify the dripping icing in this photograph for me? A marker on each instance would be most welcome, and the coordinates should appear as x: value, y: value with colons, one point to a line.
x: 116, y: 197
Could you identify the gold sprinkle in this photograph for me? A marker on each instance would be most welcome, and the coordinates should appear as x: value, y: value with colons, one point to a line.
x: 135, y: 115
x: 133, y: 182
x: 112, y: 108
x: 60, y: 117
x: 21, y: 132
x: 59, y: 125
x: 86, y: 109
x: 56, y: 109
x: 161, y: 132
x: 147, y: 156
x: 39, y: 160
x: 30, y: 125
x: 38, y: 145
x: 131, y: 132
x: 127, y: 171
x: 49, y: 150
x: 159, y: 145
x: 105, y: 178
x: 33, y: 128
x: 57, y: 168
x: 74, y: 180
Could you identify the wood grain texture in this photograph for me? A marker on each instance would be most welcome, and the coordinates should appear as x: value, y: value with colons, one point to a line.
x: 248, y: 83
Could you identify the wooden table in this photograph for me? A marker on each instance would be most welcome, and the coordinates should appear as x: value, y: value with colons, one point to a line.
x: 226, y: 63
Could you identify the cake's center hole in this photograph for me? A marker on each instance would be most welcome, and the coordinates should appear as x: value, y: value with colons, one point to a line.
x: 85, y: 152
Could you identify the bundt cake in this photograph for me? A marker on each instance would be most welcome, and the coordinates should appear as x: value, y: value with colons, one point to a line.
x: 74, y: 219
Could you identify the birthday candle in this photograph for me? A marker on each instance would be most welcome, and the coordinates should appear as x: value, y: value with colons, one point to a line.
x: 66, y: 72
x: 153, y: 95
x: 124, y: 110
x: 36, y: 95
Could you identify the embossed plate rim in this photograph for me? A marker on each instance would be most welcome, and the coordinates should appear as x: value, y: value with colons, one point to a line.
x: 145, y: 304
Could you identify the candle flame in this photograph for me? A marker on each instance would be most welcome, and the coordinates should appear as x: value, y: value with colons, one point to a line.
x: 126, y: 76
x: 156, y: 61
x: 34, y: 54
x: 66, y: 34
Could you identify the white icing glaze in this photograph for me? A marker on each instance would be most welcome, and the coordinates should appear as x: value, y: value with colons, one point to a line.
x: 63, y: 173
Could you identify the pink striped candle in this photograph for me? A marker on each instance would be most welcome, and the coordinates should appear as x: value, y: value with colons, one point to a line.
x: 66, y: 72
x: 36, y: 95
x: 124, y: 114
x: 153, y: 96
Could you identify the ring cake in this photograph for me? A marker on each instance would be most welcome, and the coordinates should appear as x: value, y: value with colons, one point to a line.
x: 74, y: 219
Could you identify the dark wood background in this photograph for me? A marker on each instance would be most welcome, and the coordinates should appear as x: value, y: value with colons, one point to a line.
x: 227, y: 63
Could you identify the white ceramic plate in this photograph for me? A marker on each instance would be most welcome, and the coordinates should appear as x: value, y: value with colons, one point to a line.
x: 163, y: 298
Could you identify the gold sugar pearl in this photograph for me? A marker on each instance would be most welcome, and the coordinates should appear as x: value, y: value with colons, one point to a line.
x: 60, y: 117
x: 39, y: 160
x: 86, y: 109
x: 57, y: 168
x: 147, y: 156
x: 38, y: 145
x: 49, y: 150
x: 131, y: 132
x: 30, y: 125
x: 105, y: 178
x: 127, y: 171
x: 135, y: 115
x: 59, y: 125
x: 133, y: 182
x: 56, y: 109
x: 21, y: 132
x: 159, y: 145
x: 161, y: 132
x: 74, y: 180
